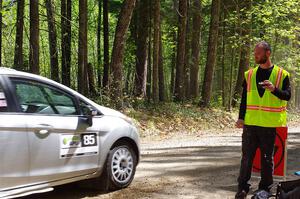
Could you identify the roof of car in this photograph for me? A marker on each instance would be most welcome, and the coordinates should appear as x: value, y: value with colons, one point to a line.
x: 7, y: 70
x: 10, y: 71
x: 13, y: 72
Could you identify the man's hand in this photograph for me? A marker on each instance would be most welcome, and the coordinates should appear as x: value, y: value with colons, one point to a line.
x: 240, y: 123
x: 268, y: 85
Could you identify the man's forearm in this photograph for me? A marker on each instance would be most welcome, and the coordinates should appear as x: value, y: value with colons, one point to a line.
x: 285, y: 93
x: 282, y: 94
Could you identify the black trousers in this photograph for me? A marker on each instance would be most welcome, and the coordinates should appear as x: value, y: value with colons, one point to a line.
x: 257, y: 137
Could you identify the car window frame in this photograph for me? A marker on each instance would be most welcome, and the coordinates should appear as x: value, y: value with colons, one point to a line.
x: 99, y: 114
x: 10, y: 99
x: 47, y: 84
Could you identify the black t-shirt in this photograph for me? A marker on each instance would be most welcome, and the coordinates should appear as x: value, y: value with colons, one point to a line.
x: 262, y: 75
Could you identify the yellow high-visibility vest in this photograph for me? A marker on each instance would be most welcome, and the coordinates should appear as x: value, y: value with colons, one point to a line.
x: 268, y: 110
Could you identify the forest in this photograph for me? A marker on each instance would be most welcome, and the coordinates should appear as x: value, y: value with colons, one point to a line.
x: 119, y: 52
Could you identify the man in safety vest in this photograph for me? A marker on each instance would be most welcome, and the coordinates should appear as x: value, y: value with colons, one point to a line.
x: 266, y: 90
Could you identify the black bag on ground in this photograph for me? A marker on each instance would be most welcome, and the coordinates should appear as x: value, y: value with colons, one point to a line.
x: 288, y: 190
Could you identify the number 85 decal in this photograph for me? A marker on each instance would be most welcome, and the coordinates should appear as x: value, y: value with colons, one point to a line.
x: 88, y: 139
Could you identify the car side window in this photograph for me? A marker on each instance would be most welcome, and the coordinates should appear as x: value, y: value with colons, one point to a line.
x: 43, y: 99
x: 85, y: 108
x: 3, y: 102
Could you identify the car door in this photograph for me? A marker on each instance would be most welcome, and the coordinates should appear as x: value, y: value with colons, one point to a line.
x: 14, y: 150
x: 61, y: 144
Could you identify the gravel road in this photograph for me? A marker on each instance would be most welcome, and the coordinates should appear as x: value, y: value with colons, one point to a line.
x: 184, y: 167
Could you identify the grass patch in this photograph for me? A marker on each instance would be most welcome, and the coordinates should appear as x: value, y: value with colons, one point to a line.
x: 170, y: 118
x: 165, y: 119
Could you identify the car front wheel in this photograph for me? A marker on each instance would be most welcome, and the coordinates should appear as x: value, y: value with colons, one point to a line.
x: 120, y: 167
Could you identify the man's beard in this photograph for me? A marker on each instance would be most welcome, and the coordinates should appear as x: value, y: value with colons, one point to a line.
x: 262, y: 60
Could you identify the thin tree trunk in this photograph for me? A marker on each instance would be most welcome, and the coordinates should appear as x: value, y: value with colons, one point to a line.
x: 233, y: 54
x: 211, y: 54
x: 127, y: 81
x: 296, y: 96
x: 196, y: 38
x: 245, y: 33
x: 105, y: 82
x: 82, y: 48
x: 223, y: 56
x: 179, y: 81
x: 99, y: 44
x: 18, y: 57
x: 91, y: 79
x: 133, y: 37
x: 155, y: 91
x: 173, y: 66
x: 149, y: 69
x: 118, y: 51
x: 274, y: 46
x: 234, y: 51
x: 142, y: 48
x: 66, y: 8
x: 34, y: 37
x: 187, y: 54
x: 161, y: 75
x: 52, y: 42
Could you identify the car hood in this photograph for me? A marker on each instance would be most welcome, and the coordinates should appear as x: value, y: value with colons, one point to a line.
x: 110, y: 112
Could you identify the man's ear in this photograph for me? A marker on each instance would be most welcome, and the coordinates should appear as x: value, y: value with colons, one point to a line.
x: 268, y: 53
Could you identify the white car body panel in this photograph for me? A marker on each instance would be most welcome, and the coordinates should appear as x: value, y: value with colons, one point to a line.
x: 41, y: 151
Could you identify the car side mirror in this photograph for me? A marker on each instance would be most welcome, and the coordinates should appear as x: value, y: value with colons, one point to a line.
x: 92, y: 113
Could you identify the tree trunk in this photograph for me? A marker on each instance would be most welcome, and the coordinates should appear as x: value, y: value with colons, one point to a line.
x: 211, y: 54
x: 149, y: 69
x: 142, y: 48
x: 52, y: 42
x: 128, y: 81
x: 34, y: 37
x: 161, y: 75
x: 179, y: 81
x: 105, y: 80
x: 155, y: 91
x: 82, y: 48
x: 297, y: 92
x: 196, y: 38
x: 223, y: 55
x: 66, y: 8
x: 99, y: 44
x: 133, y: 36
x: 18, y: 57
x: 233, y: 54
x: 173, y: 66
x: 91, y: 79
x: 245, y: 34
x: 187, y: 55
x: 118, y: 51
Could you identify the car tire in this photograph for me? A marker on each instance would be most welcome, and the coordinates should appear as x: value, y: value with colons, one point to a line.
x: 119, y: 168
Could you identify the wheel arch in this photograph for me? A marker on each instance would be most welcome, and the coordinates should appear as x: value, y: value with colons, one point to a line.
x: 131, y: 142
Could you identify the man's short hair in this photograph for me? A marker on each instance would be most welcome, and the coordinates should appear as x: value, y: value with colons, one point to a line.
x: 265, y: 45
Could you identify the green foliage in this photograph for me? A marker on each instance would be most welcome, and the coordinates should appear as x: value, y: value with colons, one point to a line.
x: 276, y: 21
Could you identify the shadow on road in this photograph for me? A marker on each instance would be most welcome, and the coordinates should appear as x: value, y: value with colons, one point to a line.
x: 179, y: 172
